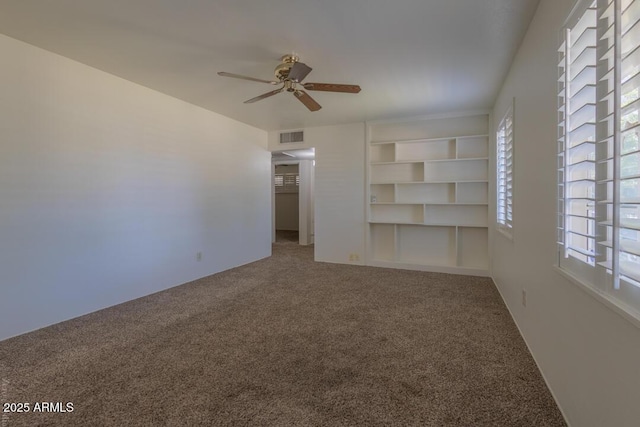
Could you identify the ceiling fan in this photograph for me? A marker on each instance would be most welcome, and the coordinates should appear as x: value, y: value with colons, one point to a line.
x: 290, y: 74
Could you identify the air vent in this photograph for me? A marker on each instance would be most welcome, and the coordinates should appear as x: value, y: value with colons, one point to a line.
x: 291, y: 137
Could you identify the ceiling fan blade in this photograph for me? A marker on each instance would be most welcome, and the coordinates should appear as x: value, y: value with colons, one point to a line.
x: 264, y: 95
x: 308, y: 101
x: 238, y: 76
x: 331, y: 87
x: 299, y: 71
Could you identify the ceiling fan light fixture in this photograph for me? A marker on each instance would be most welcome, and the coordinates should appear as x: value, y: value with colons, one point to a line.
x: 290, y: 86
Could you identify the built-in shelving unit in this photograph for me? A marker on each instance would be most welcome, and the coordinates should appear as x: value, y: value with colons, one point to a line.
x: 428, y: 196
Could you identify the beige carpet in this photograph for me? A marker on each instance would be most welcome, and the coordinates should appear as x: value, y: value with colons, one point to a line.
x: 287, y: 342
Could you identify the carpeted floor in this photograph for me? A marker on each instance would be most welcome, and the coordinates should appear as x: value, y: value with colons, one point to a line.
x: 287, y: 342
x: 283, y: 236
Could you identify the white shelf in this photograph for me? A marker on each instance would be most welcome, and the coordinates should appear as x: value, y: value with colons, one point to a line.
x: 430, y: 203
x: 472, y: 170
x: 434, y: 150
x: 397, y: 172
x: 450, y: 181
x: 397, y: 222
x: 456, y: 224
x: 412, y: 246
x: 382, y: 193
x: 464, y: 159
x: 462, y: 204
x: 383, y: 241
x: 472, y: 192
x: 428, y: 197
x: 382, y: 153
x: 399, y: 213
x: 472, y: 147
x: 400, y: 162
x: 444, y: 138
x: 430, y: 224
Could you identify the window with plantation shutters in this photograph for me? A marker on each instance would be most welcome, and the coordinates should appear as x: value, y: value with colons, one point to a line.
x: 279, y: 181
x: 599, y: 150
x: 504, y: 162
x: 287, y: 183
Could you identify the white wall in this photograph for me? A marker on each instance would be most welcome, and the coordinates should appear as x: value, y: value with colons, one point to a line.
x: 108, y: 190
x: 306, y: 203
x: 287, y: 217
x: 339, y: 189
x: 589, y: 355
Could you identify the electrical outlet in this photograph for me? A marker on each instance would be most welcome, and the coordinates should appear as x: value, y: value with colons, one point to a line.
x: 199, y: 256
x: 354, y: 257
x: 524, y: 298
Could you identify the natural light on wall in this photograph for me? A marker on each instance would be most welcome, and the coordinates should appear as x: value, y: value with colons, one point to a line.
x: 598, y: 150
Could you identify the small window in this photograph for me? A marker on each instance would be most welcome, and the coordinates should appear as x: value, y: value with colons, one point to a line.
x: 287, y: 183
x: 504, y: 162
x: 279, y: 182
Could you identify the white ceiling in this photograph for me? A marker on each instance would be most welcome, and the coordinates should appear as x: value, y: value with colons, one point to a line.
x: 411, y: 57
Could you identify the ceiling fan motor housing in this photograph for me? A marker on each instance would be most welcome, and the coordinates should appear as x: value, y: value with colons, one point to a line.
x: 282, y: 70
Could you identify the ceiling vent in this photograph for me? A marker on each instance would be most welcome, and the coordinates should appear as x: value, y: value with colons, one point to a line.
x: 291, y: 137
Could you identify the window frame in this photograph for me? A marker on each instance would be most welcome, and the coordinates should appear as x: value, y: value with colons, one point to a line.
x: 287, y: 182
x: 600, y: 274
x: 505, y: 144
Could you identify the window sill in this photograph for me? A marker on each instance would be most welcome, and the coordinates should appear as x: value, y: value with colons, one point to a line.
x: 621, y: 309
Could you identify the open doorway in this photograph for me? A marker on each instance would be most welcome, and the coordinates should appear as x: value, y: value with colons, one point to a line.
x: 293, y: 196
x: 287, y: 193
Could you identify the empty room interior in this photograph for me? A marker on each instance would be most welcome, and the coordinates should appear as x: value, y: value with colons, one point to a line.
x: 296, y: 212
